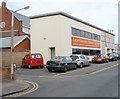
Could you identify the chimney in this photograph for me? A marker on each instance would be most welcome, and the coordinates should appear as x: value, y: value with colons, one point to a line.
x: 3, y: 4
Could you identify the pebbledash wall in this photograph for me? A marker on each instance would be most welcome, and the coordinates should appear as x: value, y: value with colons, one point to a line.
x: 56, y: 34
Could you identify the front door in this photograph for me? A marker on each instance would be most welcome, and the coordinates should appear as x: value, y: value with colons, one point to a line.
x: 52, y: 52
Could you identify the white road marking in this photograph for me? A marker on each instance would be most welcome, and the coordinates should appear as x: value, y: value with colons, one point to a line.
x: 94, y: 72
x: 76, y: 70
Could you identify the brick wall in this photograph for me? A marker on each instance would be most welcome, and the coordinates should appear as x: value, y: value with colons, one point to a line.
x: 5, y: 70
x: 24, y: 45
x: 17, y: 57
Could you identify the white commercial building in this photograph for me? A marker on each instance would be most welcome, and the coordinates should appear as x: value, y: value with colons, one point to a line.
x: 60, y: 34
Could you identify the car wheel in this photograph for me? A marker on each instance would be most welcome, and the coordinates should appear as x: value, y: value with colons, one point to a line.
x: 89, y: 64
x: 65, y: 69
x: 22, y: 66
x: 81, y: 65
x: 41, y: 66
x: 75, y: 67
x: 50, y: 70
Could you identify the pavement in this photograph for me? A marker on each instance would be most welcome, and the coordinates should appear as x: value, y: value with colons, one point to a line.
x: 12, y: 87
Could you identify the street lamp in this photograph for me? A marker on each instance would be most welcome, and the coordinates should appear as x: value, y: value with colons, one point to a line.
x: 12, y: 39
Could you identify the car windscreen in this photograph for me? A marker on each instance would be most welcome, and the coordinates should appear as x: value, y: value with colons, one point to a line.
x: 36, y: 56
x: 111, y: 55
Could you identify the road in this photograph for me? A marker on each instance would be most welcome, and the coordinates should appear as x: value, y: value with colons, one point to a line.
x: 98, y: 80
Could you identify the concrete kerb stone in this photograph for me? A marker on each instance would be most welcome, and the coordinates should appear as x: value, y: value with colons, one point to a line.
x: 14, y: 87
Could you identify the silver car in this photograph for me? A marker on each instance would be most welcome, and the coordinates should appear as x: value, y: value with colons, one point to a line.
x: 81, y: 60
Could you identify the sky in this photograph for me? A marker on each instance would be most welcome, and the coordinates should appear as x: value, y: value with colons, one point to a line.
x: 101, y: 13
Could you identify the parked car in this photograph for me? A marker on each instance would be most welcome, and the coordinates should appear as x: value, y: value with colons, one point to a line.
x: 117, y: 54
x: 100, y: 58
x: 81, y: 60
x: 60, y: 63
x: 112, y: 57
x: 33, y: 60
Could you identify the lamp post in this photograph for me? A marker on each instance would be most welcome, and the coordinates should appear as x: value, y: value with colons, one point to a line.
x: 12, y: 41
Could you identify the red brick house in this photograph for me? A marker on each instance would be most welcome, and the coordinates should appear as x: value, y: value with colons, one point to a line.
x: 21, y: 39
x: 20, y: 22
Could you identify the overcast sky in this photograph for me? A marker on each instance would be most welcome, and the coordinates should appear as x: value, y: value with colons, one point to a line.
x: 101, y: 13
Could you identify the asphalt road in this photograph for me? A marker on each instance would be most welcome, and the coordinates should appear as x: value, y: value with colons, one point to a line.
x: 98, y: 80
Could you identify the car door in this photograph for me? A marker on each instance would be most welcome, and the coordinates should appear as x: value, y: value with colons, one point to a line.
x: 83, y: 59
x: 69, y: 62
x: 26, y: 60
x: 86, y: 60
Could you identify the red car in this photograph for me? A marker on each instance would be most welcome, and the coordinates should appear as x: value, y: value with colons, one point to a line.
x: 33, y: 60
x: 100, y: 58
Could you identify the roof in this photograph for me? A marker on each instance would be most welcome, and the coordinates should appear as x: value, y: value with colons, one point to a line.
x: 24, y: 19
x: 6, y: 42
x: 69, y: 16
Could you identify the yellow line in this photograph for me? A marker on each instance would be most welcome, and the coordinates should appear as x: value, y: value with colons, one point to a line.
x: 35, y: 87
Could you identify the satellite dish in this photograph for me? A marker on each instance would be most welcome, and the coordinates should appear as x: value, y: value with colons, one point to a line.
x: 2, y: 25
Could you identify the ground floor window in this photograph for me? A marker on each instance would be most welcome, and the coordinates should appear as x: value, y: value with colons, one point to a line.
x: 85, y: 51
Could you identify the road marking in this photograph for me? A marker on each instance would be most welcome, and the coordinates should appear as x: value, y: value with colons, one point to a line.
x: 77, y: 70
x: 97, y: 71
x: 93, y: 72
x: 34, y: 88
x: 103, y: 69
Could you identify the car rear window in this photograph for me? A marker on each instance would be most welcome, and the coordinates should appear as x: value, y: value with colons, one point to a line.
x: 99, y: 56
x: 36, y: 56
x: 58, y: 59
x: 74, y: 58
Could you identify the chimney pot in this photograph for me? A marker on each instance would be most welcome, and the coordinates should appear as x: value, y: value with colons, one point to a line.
x: 3, y: 4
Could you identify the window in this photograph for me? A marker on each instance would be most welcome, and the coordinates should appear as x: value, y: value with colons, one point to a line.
x: 99, y: 37
x: 78, y: 32
x: 81, y: 33
x: 74, y: 58
x: 26, y: 30
x: 86, y: 34
x: 92, y: 52
x: 90, y: 36
x: 73, y: 31
x: 97, y: 51
x: 95, y: 36
x: 86, y: 51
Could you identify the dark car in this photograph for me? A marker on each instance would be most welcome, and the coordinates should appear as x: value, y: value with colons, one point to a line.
x: 33, y: 60
x: 60, y: 63
x: 112, y: 57
x: 100, y: 58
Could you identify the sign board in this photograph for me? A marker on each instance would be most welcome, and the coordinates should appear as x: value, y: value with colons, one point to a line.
x: 81, y: 42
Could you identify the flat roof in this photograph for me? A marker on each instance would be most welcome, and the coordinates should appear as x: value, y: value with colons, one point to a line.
x: 69, y: 16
